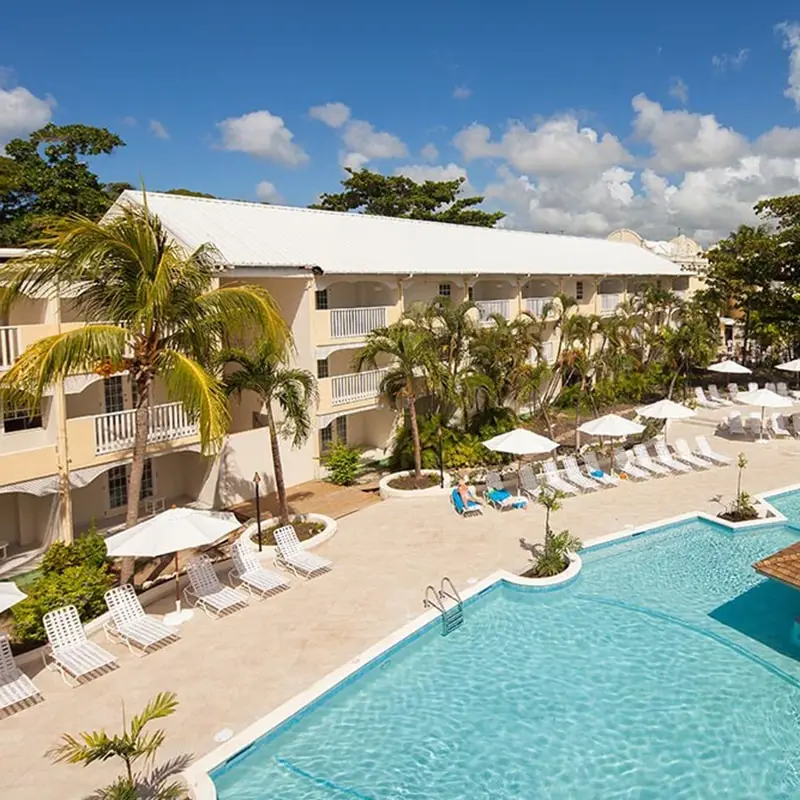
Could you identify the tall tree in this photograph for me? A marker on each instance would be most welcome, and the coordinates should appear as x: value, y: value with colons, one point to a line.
x: 152, y: 310
x: 265, y: 371
x: 399, y: 196
x: 47, y: 175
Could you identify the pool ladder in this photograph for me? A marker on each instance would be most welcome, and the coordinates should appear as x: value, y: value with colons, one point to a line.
x: 452, y: 617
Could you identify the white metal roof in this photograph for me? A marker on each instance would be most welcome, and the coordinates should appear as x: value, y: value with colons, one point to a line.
x: 258, y: 235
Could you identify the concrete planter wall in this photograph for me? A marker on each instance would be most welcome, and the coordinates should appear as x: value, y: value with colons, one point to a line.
x: 569, y: 574
x: 268, y: 552
x: 387, y: 491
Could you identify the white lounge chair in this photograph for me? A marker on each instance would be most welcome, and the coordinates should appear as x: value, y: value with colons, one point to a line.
x: 528, y: 485
x: 752, y: 386
x: 777, y: 424
x: 551, y: 477
x: 771, y: 387
x: 289, y: 555
x: 251, y: 575
x: 782, y: 389
x: 715, y: 395
x: 625, y: 463
x: 69, y: 651
x: 130, y: 625
x: 754, y: 426
x: 733, y: 392
x: 796, y: 423
x: 595, y: 470
x: 704, y: 450
x: 685, y: 454
x: 702, y: 400
x: 646, y: 463
x: 663, y: 456
x: 17, y: 690
x: 733, y: 424
x: 574, y: 475
x: 205, y: 590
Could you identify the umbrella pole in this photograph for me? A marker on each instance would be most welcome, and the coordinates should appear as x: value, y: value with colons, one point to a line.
x: 177, y: 586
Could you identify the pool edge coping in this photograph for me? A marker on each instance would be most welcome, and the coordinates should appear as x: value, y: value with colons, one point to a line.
x: 197, y: 775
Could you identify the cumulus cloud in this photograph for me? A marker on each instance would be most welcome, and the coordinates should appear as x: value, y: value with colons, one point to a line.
x: 22, y: 112
x: 267, y: 192
x: 332, y: 114
x: 462, y: 92
x: 365, y: 144
x: 429, y: 172
x: 723, y: 62
x: 130, y: 122
x: 791, y: 42
x: 429, y: 152
x: 157, y: 129
x: 261, y: 135
x: 781, y: 142
x: 679, y: 90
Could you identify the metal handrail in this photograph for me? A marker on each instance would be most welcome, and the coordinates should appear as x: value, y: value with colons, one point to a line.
x: 435, y: 602
x: 452, y: 594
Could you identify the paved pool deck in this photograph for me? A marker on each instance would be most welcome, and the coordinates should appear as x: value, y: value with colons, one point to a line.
x: 230, y: 672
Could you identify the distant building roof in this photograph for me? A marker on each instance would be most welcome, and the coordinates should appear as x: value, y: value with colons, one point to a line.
x: 783, y: 566
x: 682, y: 249
x: 258, y: 235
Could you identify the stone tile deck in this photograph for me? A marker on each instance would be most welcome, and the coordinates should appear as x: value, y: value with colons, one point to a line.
x: 230, y: 672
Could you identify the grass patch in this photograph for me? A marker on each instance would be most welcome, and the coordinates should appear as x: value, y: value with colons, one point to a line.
x: 304, y: 530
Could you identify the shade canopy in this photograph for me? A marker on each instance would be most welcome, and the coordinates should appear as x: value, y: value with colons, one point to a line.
x: 170, y: 531
x: 611, y: 425
x: 790, y: 366
x: 10, y: 595
x: 729, y: 367
x: 521, y: 442
x: 765, y: 398
x: 665, y: 409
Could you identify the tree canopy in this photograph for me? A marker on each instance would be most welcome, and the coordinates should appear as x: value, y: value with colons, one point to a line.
x: 399, y: 196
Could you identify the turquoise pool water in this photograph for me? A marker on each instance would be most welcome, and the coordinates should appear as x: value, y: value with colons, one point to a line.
x: 663, y: 671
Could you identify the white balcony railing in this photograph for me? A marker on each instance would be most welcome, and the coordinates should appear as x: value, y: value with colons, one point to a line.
x: 9, y: 346
x: 116, y: 431
x: 609, y: 302
x: 537, y: 305
x: 349, y: 322
x: 486, y: 308
x: 357, y: 386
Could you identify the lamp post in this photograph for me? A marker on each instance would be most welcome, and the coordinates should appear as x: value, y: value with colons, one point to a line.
x: 257, y: 482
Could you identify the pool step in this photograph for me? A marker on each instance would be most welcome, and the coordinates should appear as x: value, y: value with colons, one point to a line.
x: 452, y: 617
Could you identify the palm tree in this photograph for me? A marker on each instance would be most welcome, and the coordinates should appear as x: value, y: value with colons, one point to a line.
x: 132, y: 745
x: 412, y: 354
x: 152, y: 309
x: 266, y: 372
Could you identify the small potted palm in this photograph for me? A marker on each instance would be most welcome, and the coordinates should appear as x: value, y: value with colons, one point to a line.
x: 552, y: 557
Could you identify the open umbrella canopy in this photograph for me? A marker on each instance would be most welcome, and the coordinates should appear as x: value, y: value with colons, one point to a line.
x: 170, y: 531
x: 665, y: 409
x: 765, y: 398
x: 611, y: 425
x: 10, y: 595
x: 521, y: 442
x: 729, y: 368
x: 790, y: 366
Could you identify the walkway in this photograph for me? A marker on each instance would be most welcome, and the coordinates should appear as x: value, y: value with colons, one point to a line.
x: 230, y: 672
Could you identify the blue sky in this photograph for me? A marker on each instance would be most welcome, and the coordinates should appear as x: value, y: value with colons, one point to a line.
x: 534, y: 104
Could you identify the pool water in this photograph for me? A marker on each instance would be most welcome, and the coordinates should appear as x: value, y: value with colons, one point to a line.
x: 663, y: 671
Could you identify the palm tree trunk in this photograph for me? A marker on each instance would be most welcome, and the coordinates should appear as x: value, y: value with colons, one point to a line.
x: 277, y: 465
x: 141, y: 426
x: 412, y: 413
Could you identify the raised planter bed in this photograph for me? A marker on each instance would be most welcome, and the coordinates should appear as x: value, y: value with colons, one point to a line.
x: 569, y: 574
x: 387, y: 491
x: 268, y: 551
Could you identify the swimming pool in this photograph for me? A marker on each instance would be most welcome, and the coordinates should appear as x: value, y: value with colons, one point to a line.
x: 663, y: 670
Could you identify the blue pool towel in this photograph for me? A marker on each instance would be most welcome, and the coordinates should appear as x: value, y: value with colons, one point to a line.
x: 597, y: 473
x: 498, y: 495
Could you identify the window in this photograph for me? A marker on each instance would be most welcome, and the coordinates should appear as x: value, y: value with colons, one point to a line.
x: 341, y: 429
x: 445, y: 290
x: 471, y: 293
x: 118, y: 484
x: 112, y: 392
x: 325, y: 437
x: 321, y: 299
x: 134, y: 394
x: 322, y: 368
x: 21, y: 419
x: 579, y: 290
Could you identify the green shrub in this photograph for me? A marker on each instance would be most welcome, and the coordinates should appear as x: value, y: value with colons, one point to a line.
x: 88, y: 549
x: 343, y: 463
x: 82, y: 586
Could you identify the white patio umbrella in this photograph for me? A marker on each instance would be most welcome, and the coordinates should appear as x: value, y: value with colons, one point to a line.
x: 170, y: 532
x: 765, y: 398
x: 611, y: 426
x: 520, y: 442
x: 729, y: 368
x: 665, y: 409
x: 10, y: 595
x: 792, y: 366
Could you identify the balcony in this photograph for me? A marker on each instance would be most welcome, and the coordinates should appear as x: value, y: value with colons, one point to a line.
x: 487, y: 308
x: 348, y: 323
x: 356, y: 386
x: 536, y: 305
x: 610, y: 302
x: 116, y: 431
x: 9, y: 346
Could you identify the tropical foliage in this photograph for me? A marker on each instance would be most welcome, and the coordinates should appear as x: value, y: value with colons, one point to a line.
x: 342, y: 462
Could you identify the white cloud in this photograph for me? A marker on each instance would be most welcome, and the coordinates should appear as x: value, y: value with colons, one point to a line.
x: 556, y: 147
x: 354, y: 161
x: 730, y: 61
x: 682, y: 140
x: 429, y: 152
x: 22, y: 112
x: 791, y: 42
x: 462, y: 92
x: 130, y: 122
x: 267, y: 192
x: 332, y: 114
x: 157, y: 129
x: 429, y: 172
x: 365, y: 144
x: 262, y: 135
x: 679, y: 90
x: 782, y: 142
